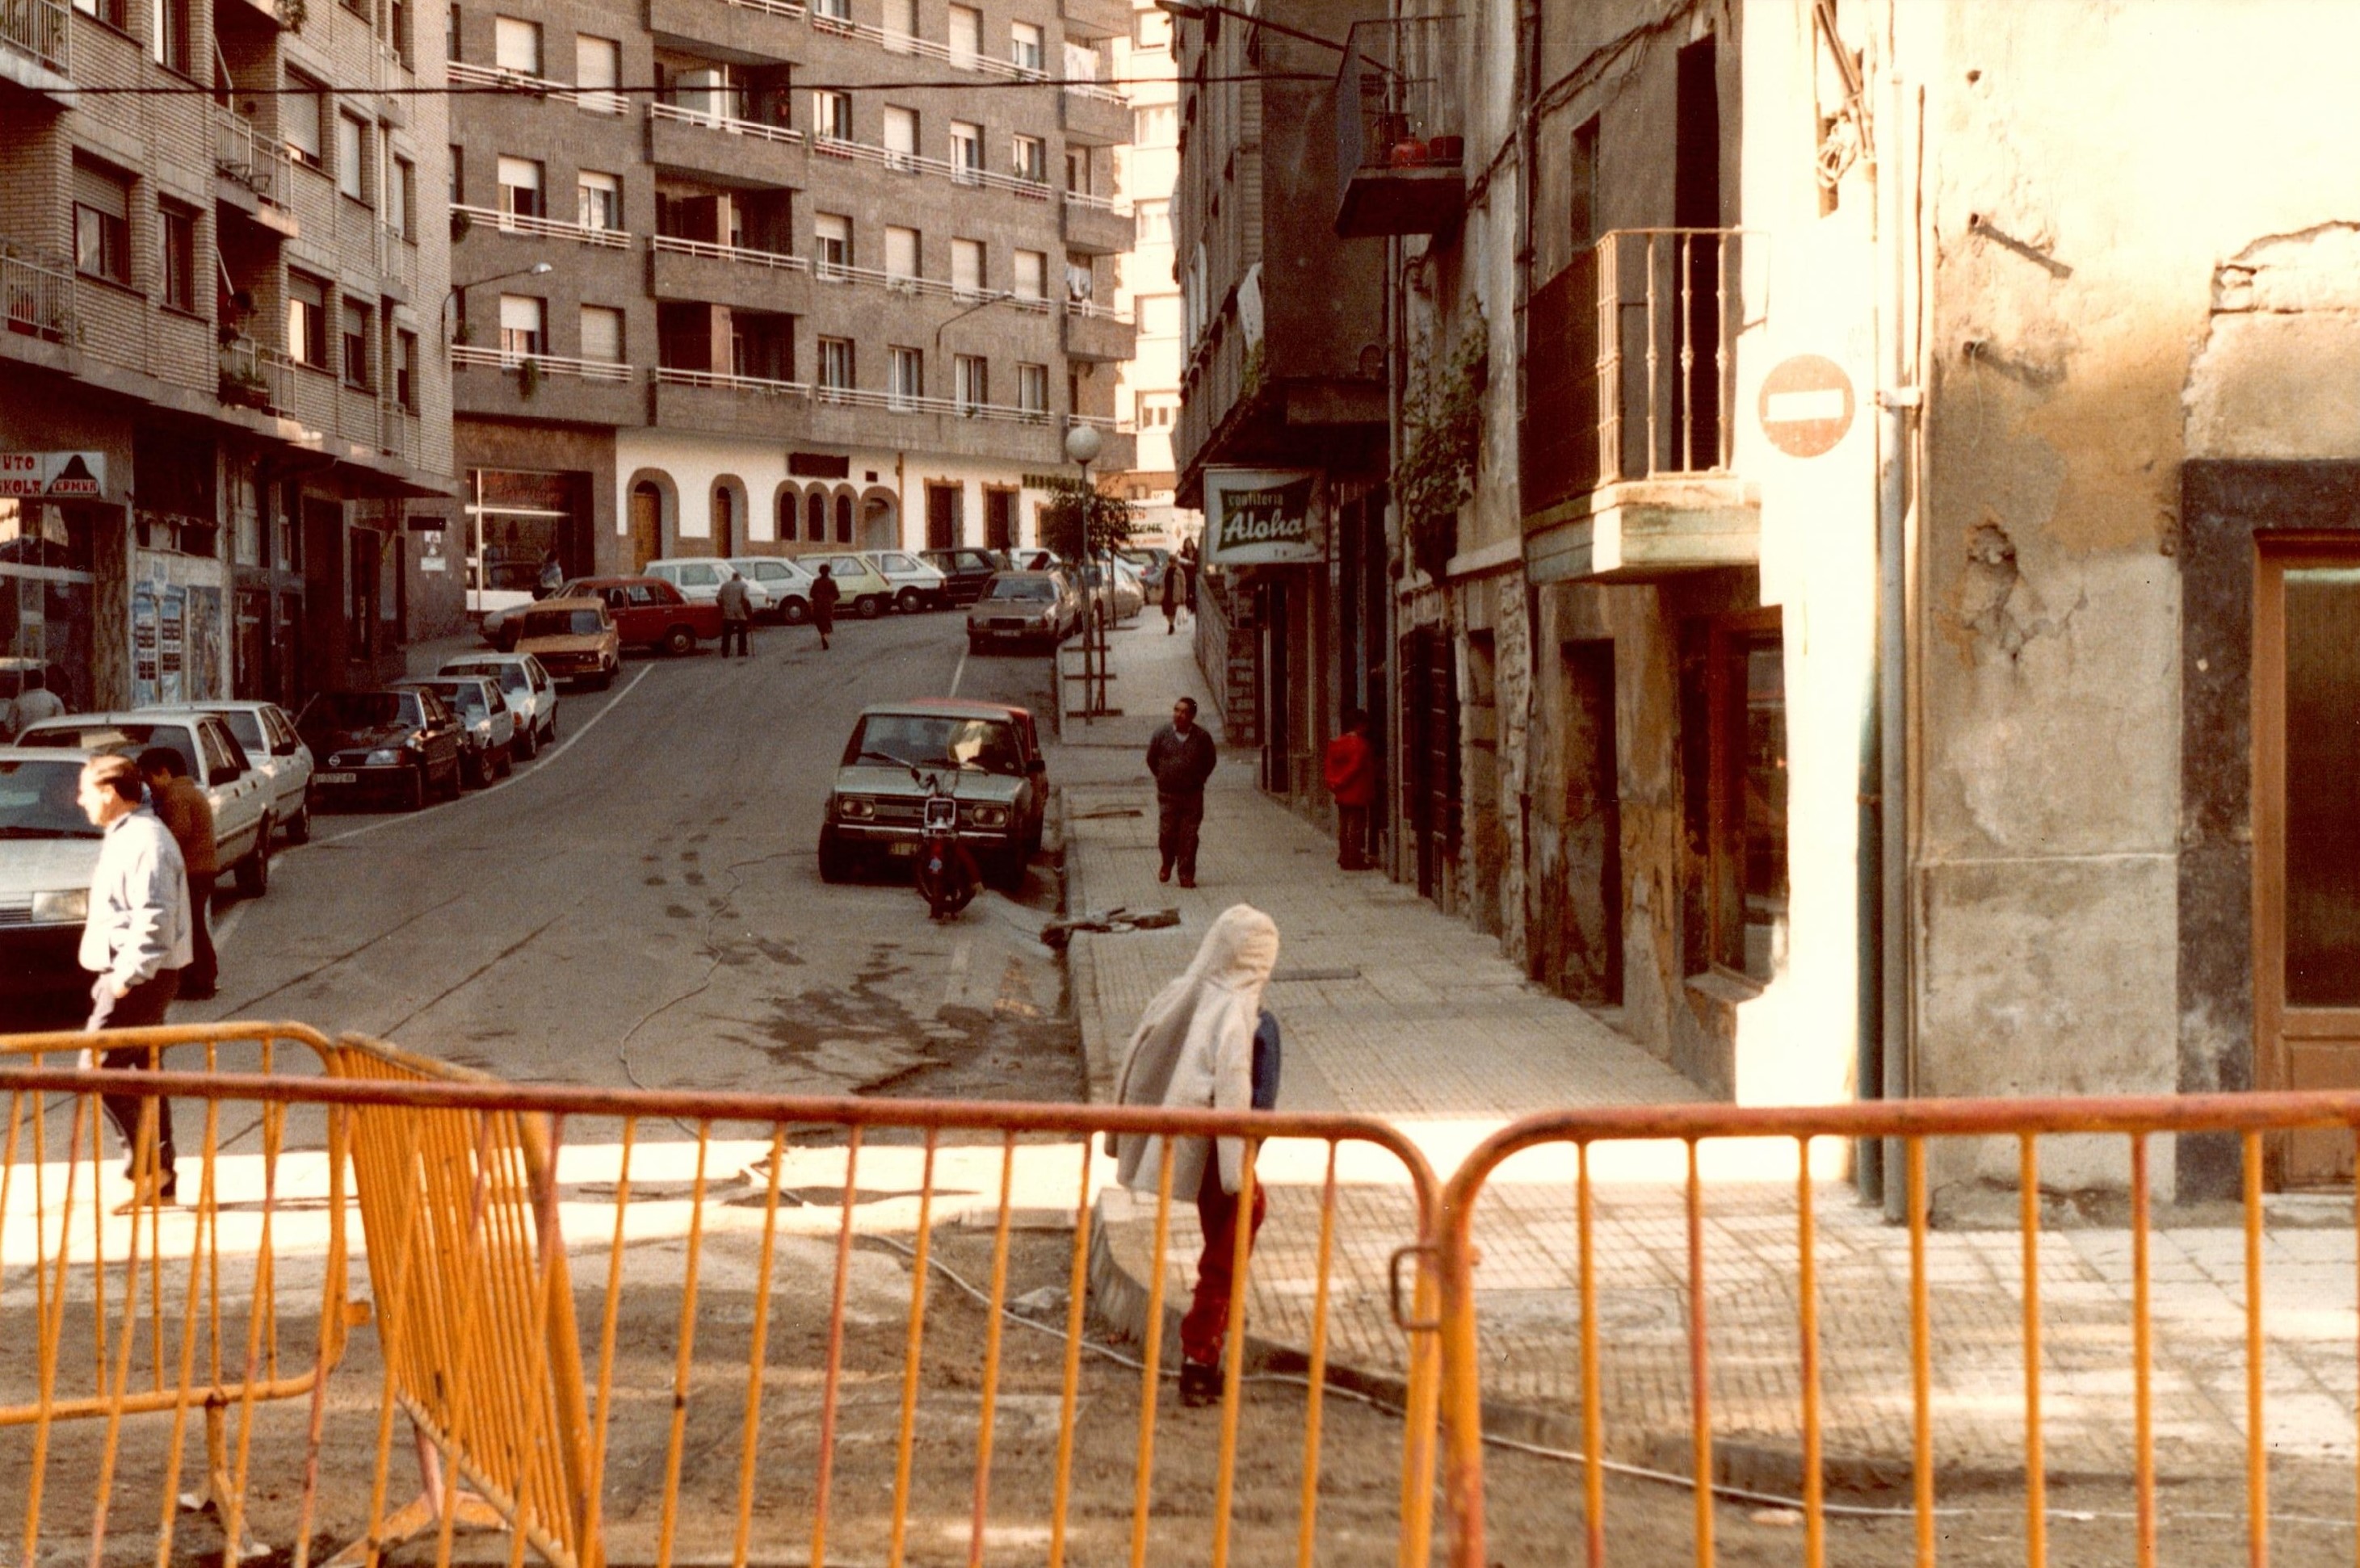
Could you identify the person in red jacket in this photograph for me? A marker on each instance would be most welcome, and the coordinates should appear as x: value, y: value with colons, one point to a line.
x: 1352, y: 781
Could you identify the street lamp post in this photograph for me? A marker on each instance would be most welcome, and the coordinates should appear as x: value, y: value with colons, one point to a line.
x: 537, y: 269
x: 476, y: 566
x: 1083, y: 444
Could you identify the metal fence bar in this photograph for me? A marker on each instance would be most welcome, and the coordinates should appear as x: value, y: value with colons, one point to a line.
x: 2257, y: 1456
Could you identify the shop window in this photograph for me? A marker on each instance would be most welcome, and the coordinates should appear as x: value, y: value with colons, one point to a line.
x: 1733, y: 765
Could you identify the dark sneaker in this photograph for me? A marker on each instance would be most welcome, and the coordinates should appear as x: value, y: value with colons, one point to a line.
x: 1200, y: 1385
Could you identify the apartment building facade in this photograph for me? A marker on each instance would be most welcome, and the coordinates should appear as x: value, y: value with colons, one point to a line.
x: 719, y: 295
x: 224, y: 432
x: 1148, y: 384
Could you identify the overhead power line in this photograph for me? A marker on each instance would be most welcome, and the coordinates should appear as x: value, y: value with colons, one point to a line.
x: 568, y: 89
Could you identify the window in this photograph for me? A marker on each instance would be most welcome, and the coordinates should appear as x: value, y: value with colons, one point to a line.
x: 833, y: 10
x: 1024, y: 46
x: 900, y: 136
x: 967, y: 267
x: 1081, y: 283
x: 1032, y: 159
x: 101, y: 218
x: 1031, y: 275
x: 833, y: 235
x: 401, y: 208
x: 1078, y: 170
x: 524, y: 326
x: 602, y: 334
x: 302, y: 108
x: 458, y: 168
x: 831, y: 115
x: 967, y: 149
x: 970, y: 381
x: 176, y: 255
x: 450, y: 34
x: 1158, y: 315
x: 515, y: 44
x: 900, y: 253
x: 599, y: 199
x: 844, y: 520
x: 307, y: 319
x: 815, y: 517
x: 597, y: 66
x: 397, y: 28
x: 1153, y: 125
x: 1583, y: 201
x: 1154, y: 411
x: 836, y: 364
x: 900, y: 22
x: 907, y: 382
x: 519, y: 187
x: 1155, y: 222
x: 107, y: 11
x: 169, y: 40
x: 967, y: 36
x: 405, y: 370
x: 1733, y: 765
x: 1033, y: 388
x: 351, y: 155
x: 354, y: 340
x: 1152, y: 28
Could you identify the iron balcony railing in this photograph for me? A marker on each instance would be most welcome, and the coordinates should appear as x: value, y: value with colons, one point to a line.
x: 916, y: 163
x: 1091, y: 310
x: 37, y: 295
x: 596, y: 101
x: 549, y: 228
x: 463, y: 356
x: 1396, y: 100
x: 252, y: 376
x: 38, y: 29
x: 739, y: 254
x: 728, y: 124
x: 1630, y: 362
x: 245, y: 156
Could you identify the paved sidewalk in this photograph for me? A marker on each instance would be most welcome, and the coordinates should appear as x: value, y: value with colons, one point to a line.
x: 1396, y: 1011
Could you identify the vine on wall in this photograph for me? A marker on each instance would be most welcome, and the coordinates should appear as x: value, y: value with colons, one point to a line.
x: 1442, y: 437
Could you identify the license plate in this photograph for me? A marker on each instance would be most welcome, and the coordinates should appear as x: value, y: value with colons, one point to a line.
x: 902, y: 847
x: 335, y: 778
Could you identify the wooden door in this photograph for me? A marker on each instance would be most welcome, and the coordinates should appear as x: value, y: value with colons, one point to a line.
x: 2306, y: 738
x: 647, y: 526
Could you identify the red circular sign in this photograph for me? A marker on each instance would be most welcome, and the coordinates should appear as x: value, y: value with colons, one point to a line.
x: 1805, y: 404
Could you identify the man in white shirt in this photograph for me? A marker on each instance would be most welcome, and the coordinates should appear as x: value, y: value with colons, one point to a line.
x: 33, y: 704
x: 136, y: 939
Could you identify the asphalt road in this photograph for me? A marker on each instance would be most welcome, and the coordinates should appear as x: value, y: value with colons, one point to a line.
x: 642, y: 903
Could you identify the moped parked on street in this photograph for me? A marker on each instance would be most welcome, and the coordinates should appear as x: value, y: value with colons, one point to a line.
x: 946, y: 873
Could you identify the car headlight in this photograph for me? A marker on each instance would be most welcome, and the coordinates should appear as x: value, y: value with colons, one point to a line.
x: 854, y: 809
x: 483, y: 727
x: 988, y: 816
x: 73, y: 905
x: 387, y: 756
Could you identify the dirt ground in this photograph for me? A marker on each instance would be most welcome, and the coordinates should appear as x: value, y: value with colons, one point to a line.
x: 1534, y: 1505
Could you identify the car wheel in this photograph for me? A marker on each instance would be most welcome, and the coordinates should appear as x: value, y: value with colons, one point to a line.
x: 526, y: 743
x: 504, y: 761
x: 476, y: 771
x: 909, y: 601
x: 453, y: 785
x: 975, y: 645
x: 413, y: 789
x: 870, y: 607
x: 835, y: 859
x: 549, y: 731
x: 602, y: 681
x: 794, y: 612
x: 254, y: 871
x: 680, y: 641
x: 298, y: 826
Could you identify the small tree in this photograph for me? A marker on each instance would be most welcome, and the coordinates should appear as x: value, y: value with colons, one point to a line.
x: 1063, y: 532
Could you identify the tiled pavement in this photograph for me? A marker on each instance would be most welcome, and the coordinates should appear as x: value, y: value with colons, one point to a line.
x: 1395, y: 1011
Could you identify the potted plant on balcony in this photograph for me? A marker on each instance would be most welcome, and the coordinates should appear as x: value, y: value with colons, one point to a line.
x: 528, y: 378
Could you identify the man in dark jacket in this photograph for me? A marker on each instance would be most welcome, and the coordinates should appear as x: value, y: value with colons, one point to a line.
x: 181, y: 805
x: 1180, y: 758
x: 824, y: 595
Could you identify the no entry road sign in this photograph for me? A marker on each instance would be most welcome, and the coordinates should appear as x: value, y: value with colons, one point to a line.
x: 1807, y: 405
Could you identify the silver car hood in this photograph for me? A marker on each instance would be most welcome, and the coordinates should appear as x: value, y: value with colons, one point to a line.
x: 29, y: 866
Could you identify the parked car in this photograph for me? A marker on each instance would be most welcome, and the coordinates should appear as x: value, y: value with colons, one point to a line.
x: 237, y: 791
x: 506, y: 584
x: 1151, y: 560
x: 861, y: 589
x: 48, y: 850
x: 267, y: 735
x: 991, y: 761
x: 785, y: 581
x: 699, y: 580
x: 649, y: 612
x: 404, y: 743
x: 1111, y: 586
x: 1021, y: 607
x: 965, y: 573
x: 486, y: 726
x: 529, y: 690
x: 574, y: 638
x: 917, y: 584
x: 1030, y: 560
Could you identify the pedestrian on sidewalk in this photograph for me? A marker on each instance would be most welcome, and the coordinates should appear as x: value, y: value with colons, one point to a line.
x: 188, y: 816
x: 1351, y: 771
x: 134, y: 942
x: 736, y: 602
x: 1207, y: 1043
x: 824, y: 595
x: 1171, y: 594
x: 1181, y: 757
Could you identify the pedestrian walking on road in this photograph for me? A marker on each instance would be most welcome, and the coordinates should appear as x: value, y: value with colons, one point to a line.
x: 188, y: 816
x: 1206, y: 1043
x: 134, y: 942
x: 1172, y: 596
x: 736, y: 604
x: 824, y: 595
x: 1181, y: 757
x: 1351, y: 771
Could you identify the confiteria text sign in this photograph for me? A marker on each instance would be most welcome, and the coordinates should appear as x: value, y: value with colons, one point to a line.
x: 1256, y: 516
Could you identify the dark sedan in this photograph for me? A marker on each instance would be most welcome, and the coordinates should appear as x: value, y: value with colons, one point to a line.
x: 966, y: 572
x: 405, y: 743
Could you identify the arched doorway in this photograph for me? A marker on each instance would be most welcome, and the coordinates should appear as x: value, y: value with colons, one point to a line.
x: 880, y: 524
x: 647, y: 525
x: 725, y: 518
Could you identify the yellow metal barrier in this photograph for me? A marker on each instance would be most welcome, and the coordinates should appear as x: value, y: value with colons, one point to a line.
x: 111, y: 1312
x: 1971, y: 1299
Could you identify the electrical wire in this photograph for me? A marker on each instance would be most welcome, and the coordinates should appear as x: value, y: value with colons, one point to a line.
x: 569, y: 90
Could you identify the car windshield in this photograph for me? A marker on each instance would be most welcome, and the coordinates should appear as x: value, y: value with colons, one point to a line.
x: 509, y: 676
x: 562, y: 623
x: 359, y: 711
x: 37, y: 800
x: 464, y: 695
x: 1033, y: 588
x: 248, y: 726
x: 124, y: 737
x: 925, y: 740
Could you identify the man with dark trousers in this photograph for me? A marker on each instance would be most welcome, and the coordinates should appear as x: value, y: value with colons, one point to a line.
x: 1181, y: 757
x: 824, y: 595
x: 736, y: 602
x: 188, y: 816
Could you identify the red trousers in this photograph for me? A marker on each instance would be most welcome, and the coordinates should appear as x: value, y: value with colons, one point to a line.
x: 1206, y: 1324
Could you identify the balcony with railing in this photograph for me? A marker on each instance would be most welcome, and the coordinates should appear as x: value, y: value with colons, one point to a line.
x: 1097, y: 331
x: 595, y: 100
x: 1630, y: 408
x: 1399, y: 143
x: 710, y: 142
x: 252, y: 170
x: 938, y: 167
x: 1098, y: 225
x: 252, y: 376
x: 36, y: 296
x: 508, y: 382
x: 37, y: 31
x: 492, y: 221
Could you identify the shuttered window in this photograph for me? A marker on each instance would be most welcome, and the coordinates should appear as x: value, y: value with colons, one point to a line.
x: 967, y: 267
x: 102, y: 222
x: 602, y: 334
x: 301, y: 110
x: 900, y: 253
x: 307, y: 319
x: 517, y: 45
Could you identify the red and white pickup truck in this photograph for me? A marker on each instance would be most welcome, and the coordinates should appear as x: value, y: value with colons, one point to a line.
x: 650, y: 612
